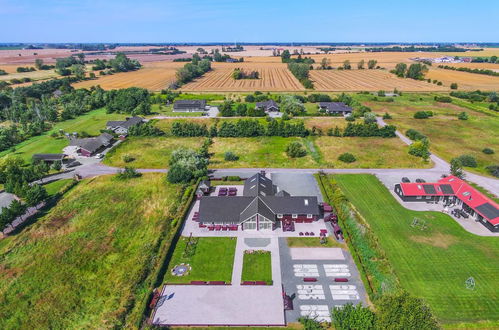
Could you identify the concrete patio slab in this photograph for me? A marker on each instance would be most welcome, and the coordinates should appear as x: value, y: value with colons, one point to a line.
x: 220, y: 305
x: 317, y: 254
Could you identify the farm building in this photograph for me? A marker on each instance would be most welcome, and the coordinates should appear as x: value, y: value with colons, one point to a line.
x: 338, y: 108
x: 261, y: 207
x: 268, y: 106
x: 122, y: 126
x: 452, y: 190
x: 189, y: 105
x: 48, y: 158
x: 89, y: 146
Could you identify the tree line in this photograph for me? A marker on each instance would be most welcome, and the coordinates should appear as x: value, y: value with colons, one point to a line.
x: 487, y: 72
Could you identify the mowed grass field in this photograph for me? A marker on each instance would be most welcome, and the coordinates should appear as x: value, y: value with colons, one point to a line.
x: 257, y: 266
x: 85, y: 263
x: 449, y: 136
x: 212, y: 260
x: 148, y: 152
x: 273, y: 77
x: 372, y: 152
x: 153, y: 76
x: 91, y: 122
x: 367, y: 80
x: 432, y: 264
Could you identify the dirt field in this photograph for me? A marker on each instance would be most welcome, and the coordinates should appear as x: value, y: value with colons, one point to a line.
x: 273, y: 77
x: 153, y: 76
x: 367, y: 80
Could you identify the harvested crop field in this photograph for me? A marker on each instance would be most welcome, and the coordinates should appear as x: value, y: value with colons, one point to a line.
x: 366, y: 80
x: 153, y: 76
x: 273, y: 77
x: 465, y: 80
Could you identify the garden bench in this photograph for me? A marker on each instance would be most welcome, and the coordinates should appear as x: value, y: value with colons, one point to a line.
x: 309, y: 279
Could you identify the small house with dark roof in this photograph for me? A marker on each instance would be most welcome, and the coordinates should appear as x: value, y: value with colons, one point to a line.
x: 268, y: 106
x: 121, y: 126
x: 338, y: 108
x: 453, y: 190
x: 89, y: 146
x: 189, y: 106
x: 261, y: 207
x: 203, y: 189
x: 48, y: 158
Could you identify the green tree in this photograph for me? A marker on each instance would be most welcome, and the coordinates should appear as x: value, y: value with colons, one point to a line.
x: 416, y: 71
x: 295, y: 150
x: 420, y: 148
x: 360, y: 64
x: 325, y: 63
x: 285, y: 56
x: 402, y: 311
x: 350, y: 317
x: 371, y: 64
x: 346, y: 65
x: 78, y: 70
x: 453, y: 86
x: 369, y: 117
x: 39, y: 63
x: 35, y: 195
x: 347, y: 157
x: 291, y: 105
x: 462, y: 116
x: 400, y: 69
x: 456, y: 168
x: 57, y: 166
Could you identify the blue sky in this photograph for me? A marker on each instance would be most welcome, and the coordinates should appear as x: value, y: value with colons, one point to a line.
x: 248, y: 21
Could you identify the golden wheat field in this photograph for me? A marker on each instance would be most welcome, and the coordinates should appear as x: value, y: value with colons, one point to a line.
x: 367, y: 80
x: 464, y: 80
x: 273, y: 77
x: 153, y: 76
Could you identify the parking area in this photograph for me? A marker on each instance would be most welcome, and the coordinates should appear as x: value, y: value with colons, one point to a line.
x: 308, y: 277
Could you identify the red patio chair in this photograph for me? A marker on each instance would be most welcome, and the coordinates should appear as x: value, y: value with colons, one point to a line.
x: 301, y: 233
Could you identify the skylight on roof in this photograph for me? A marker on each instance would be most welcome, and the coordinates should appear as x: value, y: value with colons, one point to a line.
x: 420, y: 187
x: 306, y: 202
x: 466, y: 193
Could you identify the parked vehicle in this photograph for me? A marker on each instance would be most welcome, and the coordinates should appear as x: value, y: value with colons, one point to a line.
x: 99, y: 156
x: 420, y: 181
x: 405, y: 180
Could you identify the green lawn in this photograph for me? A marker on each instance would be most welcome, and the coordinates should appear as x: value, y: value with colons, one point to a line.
x: 167, y: 110
x: 211, y: 260
x: 433, y: 264
x: 55, y: 186
x: 148, y: 152
x: 87, y: 263
x: 91, y: 123
x: 312, y: 242
x: 257, y: 266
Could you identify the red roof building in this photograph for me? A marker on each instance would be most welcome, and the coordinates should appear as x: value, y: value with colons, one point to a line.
x: 453, y: 189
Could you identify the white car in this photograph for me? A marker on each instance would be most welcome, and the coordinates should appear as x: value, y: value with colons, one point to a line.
x: 99, y: 156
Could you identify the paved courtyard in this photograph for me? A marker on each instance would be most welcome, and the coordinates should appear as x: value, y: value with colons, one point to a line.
x: 316, y: 299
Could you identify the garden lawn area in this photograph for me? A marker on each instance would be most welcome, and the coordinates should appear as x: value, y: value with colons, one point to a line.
x: 370, y: 152
x: 55, y: 186
x: 212, y: 260
x: 257, y: 266
x: 91, y: 122
x: 432, y: 264
x: 311, y: 242
x: 262, y: 152
x: 149, y: 152
x: 88, y: 263
x: 449, y: 136
x: 167, y: 110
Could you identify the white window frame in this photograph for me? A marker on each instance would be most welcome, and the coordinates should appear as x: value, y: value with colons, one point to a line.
x: 309, y: 216
x: 279, y: 216
x: 294, y: 216
x: 419, y: 197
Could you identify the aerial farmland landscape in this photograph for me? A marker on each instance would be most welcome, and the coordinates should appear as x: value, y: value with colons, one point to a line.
x: 249, y: 165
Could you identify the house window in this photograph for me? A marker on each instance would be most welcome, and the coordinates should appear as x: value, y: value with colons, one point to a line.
x: 309, y: 216
x: 428, y: 197
x: 279, y: 216
x: 419, y: 197
x: 294, y: 216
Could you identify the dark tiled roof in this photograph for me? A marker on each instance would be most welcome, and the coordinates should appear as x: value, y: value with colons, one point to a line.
x: 447, y: 189
x: 259, y: 185
x: 129, y: 122
x: 335, y: 107
x: 189, y: 104
x: 266, y: 105
x: 488, y: 210
x: 49, y: 157
x: 92, y: 144
x: 222, y: 208
x: 283, y: 193
x: 257, y: 206
x: 429, y: 189
x: 292, y: 204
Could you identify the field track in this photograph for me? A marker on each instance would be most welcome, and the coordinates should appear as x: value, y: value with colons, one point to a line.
x: 367, y: 80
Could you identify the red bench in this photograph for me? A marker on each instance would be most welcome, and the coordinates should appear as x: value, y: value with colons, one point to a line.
x: 216, y: 282
x: 309, y: 279
x: 248, y: 283
x: 341, y: 279
x: 198, y: 282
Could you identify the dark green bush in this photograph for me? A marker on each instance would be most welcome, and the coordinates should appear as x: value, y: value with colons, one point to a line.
x: 488, y: 151
x: 347, y: 158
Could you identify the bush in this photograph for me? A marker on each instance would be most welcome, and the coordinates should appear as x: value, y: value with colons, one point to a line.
x: 462, y: 116
x: 128, y: 173
x: 493, y: 170
x: 387, y: 116
x: 415, y: 135
x: 347, y: 158
x: 443, y: 99
x: 453, y: 86
x: 230, y: 156
x: 350, y: 118
x: 295, y: 150
x: 128, y: 158
x: 420, y: 148
x: 488, y: 151
x: 369, y: 118
x: 423, y: 114
x: 352, y: 317
x: 467, y: 160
